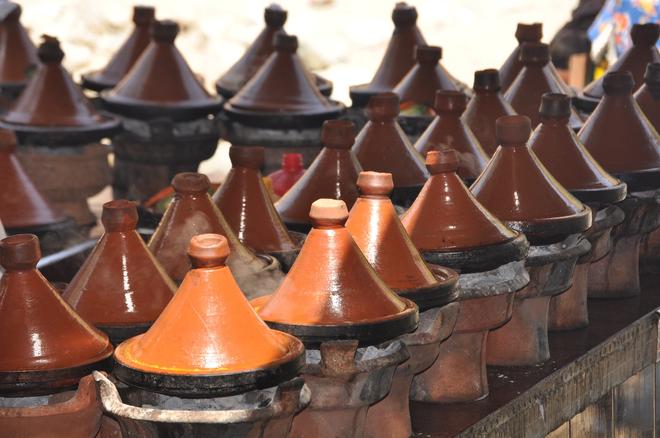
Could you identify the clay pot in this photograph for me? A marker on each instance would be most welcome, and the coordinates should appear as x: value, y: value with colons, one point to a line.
x: 126, y: 56
x: 648, y: 95
x: 567, y: 160
x: 519, y: 190
x: 448, y: 129
x: 120, y: 288
x: 290, y: 172
x: 332, y: 175
x: 47, y: 346
x: 18, y: 54
x: 177, y: 355
x: 486, y: 106
x: 399, y: 56
x: 332, y: 292
x: 618, y: 121
x: 382, y: 146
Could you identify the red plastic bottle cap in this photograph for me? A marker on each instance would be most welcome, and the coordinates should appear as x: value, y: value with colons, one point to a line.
x: 383, y: 106
x: 275, y: 16
x: 404, y: 15
x: 7, y: 141
x: 143, y: 15
x: 441, y: 160
x: 487, y: 80
x: 645, y: 35
x: 119, y: 215
x: 534, y: 54
x: 251, y: 157
x: 19, y: 252
x: 284, y: 42
x: 191, y: 182
x: 429, y: 55
x: 50, y: 51
x: 450, y: 101
x: 328, y: 212
x: 529, y: 33
x: 338, y: 134
x: 618, y: 83
x: 292, y: 162
x: 164, y: 31
x: 555, y: 106
x: 379, y: 184
x: 513, y: 130
x: 208, y: 250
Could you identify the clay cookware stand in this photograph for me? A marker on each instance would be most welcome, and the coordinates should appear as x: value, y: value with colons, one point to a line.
x: 280, y: 108
x: 450, y: 226
x: 562, y: 154
x: 121, y: 288
x: 382, y: 146
x: 617, y: 121
x: 335, y: 302
x: 648, y: 95
x: 19, y: 55
x: 551, y: 218
x: 246, y: 204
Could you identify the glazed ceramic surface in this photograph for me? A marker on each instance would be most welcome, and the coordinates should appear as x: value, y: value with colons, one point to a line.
x: 648, y: 96
x: 18, y: 55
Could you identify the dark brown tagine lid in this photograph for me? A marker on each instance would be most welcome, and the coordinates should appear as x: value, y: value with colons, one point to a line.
x: 332, y: 174
x: 648, y: 96
x: 520, y: 191
x: 448, y: 128
x: 121, y: 287
x: 22, y: 207
x: 448, y: 221
x: 331, y: 291
x: 399, y: 56
x: 419, y: 85
x: 375, y: 226
x: 382, y: 146
x: 45, y: 344
x: 486, y: 106
x: 533, y: 81
x: 53, y: 105
x: 282, y: 87
x: 160, y: 83
x: 246, y: 204
x: 18, y: 55
x: 208, y: 341
x: 562, y: 154
x: 620, y: 137
x: 190, y: 213
x: 128, y: 53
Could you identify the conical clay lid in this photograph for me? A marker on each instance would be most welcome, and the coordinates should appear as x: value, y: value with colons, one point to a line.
x: 485, y: 107
x: 449, y: 129
x: 519, y: 190
x: 245, y: 202
x: 18, y: 55
x: 562, y: 154
x: 332, y: 174
x: 648, y: 96
x: 120, y: 283
x: 41, y: 332
x: 382, y: 146
x: 620, y: 137
x: 208, y: 330
x: 331, y: 291
x: 399, y: 56
x: 127, y: 55
x: 21, y: 204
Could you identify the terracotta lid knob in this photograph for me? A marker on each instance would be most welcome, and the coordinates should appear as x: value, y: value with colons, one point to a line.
x: 50, y: 51
x: 404, y: 15
x: 450, y: 101
x: 292, y: 162
x: 513, y: 130
x: 383, y: 106
x: 208, y: 250
x: 191, y: 182
x: 15, y: 14
x: 328, y: 212
x: 645, y: 35
x: 284, y: 42
x: 534, y: 54
x: 143, y: 15
x: 338, y: 134
x: 529, y: 33
x: 378, y: 184
x: 555, y: 106
x: 487, y: 80
x: 275, y: 16
x: 164, y: 31
x: 618, y: 83
x: 429, y: 55
x: 7, y: 141
x: 20, y: 252
x: 251, y: 157
x: 442, y: 159
x: 119, y: 215
x: 652, y: 75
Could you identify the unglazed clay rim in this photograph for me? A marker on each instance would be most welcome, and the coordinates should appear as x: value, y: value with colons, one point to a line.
x: 140, y: 110
x: 107, y: 127
x: 443, y: 291
x: 605, y: 195
x: 284, y: 119
x: 580, y: 247
x: 552, y: 230
x: 324, y: 85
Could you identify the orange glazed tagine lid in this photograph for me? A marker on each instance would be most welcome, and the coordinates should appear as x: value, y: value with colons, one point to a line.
x: 208, y: 341
x: 18, y: 55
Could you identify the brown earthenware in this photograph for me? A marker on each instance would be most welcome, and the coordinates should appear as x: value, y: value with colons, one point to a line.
x: 648, y: 95
x: 246, y: 204
x: 160, y: 83
x: 486, y: 106
x: 332, y: 175
x: 120, y: 288
x: 18, y: 56
x: 210, y: 332
x: 621, y: 138
x: 520, y: 191
x: 562, y: 154
x: 399, y: 56
x: 129, y: 52
x: 332, y: 292
x: 45, y: 344
x: 448, y: 129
